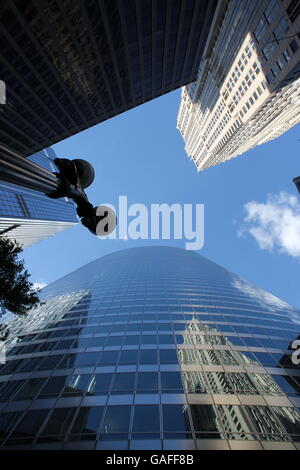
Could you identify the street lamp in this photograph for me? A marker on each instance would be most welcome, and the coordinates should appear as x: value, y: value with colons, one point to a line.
x: 70, y: 181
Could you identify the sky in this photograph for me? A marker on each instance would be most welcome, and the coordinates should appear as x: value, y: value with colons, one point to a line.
x: 251, y: 207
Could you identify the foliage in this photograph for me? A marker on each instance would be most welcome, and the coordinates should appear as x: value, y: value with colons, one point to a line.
x: 16, y: 291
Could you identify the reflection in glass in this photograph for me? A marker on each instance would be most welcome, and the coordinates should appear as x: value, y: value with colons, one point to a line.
x: 146, y: 418
x: 175, y: 418
x: 116, y: 419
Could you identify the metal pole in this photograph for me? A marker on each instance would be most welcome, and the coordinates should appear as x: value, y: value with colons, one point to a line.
x: 19, y: 170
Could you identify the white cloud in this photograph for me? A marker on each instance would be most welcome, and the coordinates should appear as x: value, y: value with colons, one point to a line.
x: 38, y: 285
x: 275, y: 224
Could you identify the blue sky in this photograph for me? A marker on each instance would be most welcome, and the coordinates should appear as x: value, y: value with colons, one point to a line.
x: 141, y: 154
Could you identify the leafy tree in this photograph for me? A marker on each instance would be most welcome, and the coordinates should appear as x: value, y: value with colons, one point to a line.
x: 16, y: 292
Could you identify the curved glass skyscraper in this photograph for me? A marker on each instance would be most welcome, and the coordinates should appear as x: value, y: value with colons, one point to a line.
x: 152, y: 348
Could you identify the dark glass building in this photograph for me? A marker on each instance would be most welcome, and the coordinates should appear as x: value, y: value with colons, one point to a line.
x: 72, y: 64
x: 29, y: 216
x: 152, y: 348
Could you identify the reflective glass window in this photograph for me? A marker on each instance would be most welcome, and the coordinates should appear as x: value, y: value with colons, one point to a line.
x: 30, y: 423
x: 171, y: 380
x: 29, y: 389
x: 87, y: 420
x: 123, y: 382
x: 116, y: 419
x: 59, y: 422
x: 99, y: 384
x: 128, y: 357
x: 176, y: 418
x: 147, y: 381
x: 148, y: 356
x: 109, y: 357
x: 146, y: 418
x: 205, y: 420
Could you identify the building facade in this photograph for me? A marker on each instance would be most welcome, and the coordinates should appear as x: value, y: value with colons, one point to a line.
x: 152, y: 348
x: 29, y: 216
x: 247, y: 90
x: 70, y: 65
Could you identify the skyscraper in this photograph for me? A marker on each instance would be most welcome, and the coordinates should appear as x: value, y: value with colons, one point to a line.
x: 154, y: 348
x: 247, y: 90
x: 70, y: 65
x: 29, y: 216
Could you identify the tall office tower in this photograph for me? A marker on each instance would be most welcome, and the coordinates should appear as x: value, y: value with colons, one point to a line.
x: 154, y: 348
x: 29, y: 216
x: 247, y: 90
x: 69, y: 65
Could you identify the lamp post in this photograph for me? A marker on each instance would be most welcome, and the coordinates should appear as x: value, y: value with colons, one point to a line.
x: 70, y: 181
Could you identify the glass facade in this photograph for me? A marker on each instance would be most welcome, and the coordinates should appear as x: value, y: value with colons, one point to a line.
x: 29, y: 216
x: 152, y: 348
x: 71, y: 66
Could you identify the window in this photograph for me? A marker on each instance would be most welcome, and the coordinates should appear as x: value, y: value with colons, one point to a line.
x: 294, y: 45
x: 286, y: 55
x: 168, y: 356
x: 204, y: 420
x: 289, y: 418
x: 76, y: 385
x: 131, y: 339
x: 87, y: 420
x: 128, y: 357
x: 260, y: 29
x: 50, y: 362
x: 8, y: 421
x: 149, y: 339
x: 116, y: 419
x: 109, y: 357
x: 256, y: 68
x: 99, y: 384
x: 269, y: 77
x: 268, y: 49
x: 86, y: 359
x: 114, y: 341
x: 8, y: 389
x: 171, y: 381
x: 148, y: 356
x: 123, y: 382
x: 274, y: 70
x: 53, y: 387
x: 281, y: 28
x: 59, y: 422
x: 251, y: 74
x: 293, y: 10
x: 147, y: 381
x: 175, y: 418
x: 271, y: 11
x: 280, y: 63
x: 235, y: 424
x: 146, y: 418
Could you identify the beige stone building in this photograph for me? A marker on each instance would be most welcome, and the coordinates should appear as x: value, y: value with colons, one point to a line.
x: 247, y: 91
